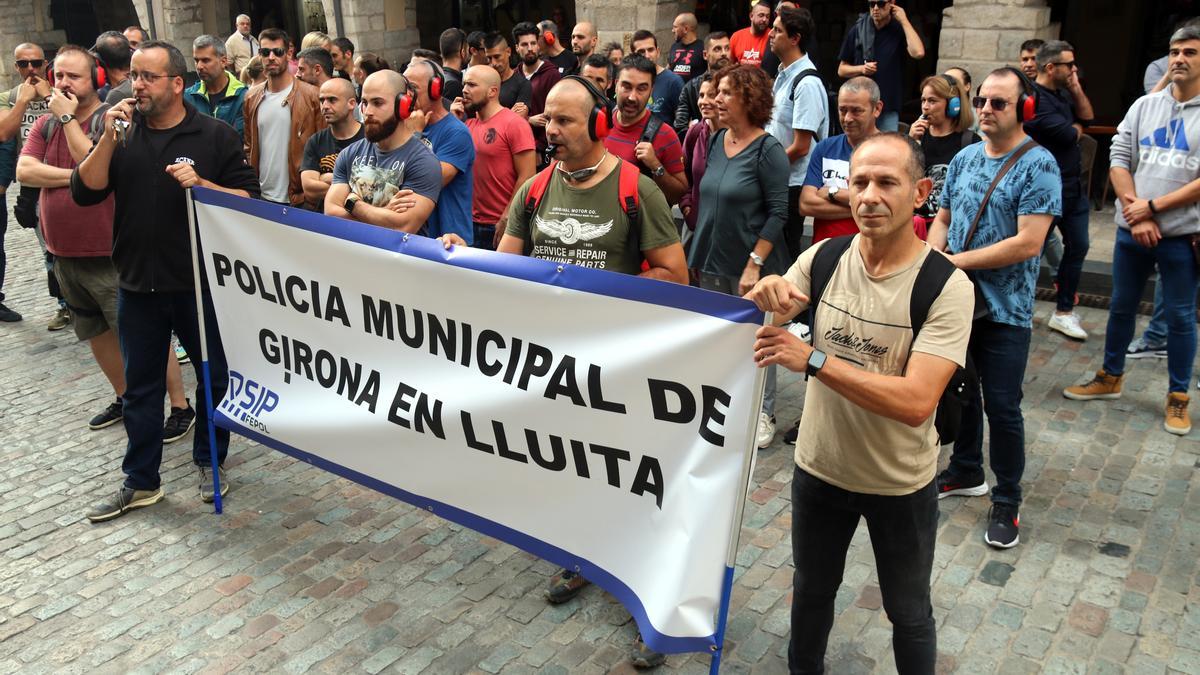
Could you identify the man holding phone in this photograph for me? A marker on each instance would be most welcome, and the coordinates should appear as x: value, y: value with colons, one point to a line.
x: 875, y: 47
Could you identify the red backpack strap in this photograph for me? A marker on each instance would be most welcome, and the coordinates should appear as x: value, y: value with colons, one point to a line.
x: 537, y: 190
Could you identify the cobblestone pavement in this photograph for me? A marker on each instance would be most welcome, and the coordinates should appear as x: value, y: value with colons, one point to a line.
x: 308, y: 571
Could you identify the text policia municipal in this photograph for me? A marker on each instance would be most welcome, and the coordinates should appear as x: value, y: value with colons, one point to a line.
x: 516, y: 362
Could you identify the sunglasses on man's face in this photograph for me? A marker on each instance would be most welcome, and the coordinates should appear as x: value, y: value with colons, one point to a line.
x: 877, y: 4
x: 26, y: 63
x: 998, y: 104
x: 267, y: 51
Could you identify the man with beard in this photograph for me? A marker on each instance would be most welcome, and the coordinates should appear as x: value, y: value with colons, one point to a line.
x: 338, y: 103
x: 716, y: 54
x: 281, y: 114
x: 664, y: 98
x: 584, y: 186
x: 169, y: 147
x: 601, y: 72
x: 369, y: 173
x: 218, y: 93
x: 641, y: 138
x: 583, y: 44
x: 315, y: 66
x: 686, y: 58
x: 515, y: 92
x: 749, y: 45
x: 504, y: 152
x: 542, y: 75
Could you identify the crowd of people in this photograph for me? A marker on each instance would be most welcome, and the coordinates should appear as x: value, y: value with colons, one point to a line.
x: 911, y: 307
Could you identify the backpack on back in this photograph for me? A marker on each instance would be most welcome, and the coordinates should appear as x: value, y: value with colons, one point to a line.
x: 627, y: 195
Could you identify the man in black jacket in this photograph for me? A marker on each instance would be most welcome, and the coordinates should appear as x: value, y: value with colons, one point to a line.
x: 687, y: 112
x: 169, y: 147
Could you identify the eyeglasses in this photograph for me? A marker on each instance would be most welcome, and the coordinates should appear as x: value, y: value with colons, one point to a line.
x: 877, y: 4
x: 148, y: 78
x: 26, y: 63
x: 998, y: 104
x: 1068, y: 64
x: 267, y: 51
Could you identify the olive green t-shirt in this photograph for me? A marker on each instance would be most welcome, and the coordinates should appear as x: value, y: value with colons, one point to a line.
x: 589, y: 227
x: 864, y: 321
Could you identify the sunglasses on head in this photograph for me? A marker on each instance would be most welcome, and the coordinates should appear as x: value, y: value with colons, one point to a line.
x: 267, y: 51
x: 998, y: 104
x: 26, y: 63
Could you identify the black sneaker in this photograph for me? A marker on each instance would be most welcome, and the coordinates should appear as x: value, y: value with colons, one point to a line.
x: 179, y: 423
x: 642, y: 657
x: 564, y: 586
x: 792, y: 434
x: 126, y: 500
x: 206, y: 485
x: 7, y: 315
x: 950, y: 485
x: 1003, y: 525
x: 111, y: 415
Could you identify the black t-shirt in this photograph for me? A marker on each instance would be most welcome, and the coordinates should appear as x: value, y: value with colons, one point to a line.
x: 566, y: 61
x: 322, y: 149
x: 516, y: 89
x: 890, y: 51
x: 938, y: 153
x: 1052, y: 129
x: 687, y: 61
x: 452, y: 89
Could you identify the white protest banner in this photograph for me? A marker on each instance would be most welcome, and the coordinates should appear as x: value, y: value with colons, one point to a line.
x: 600, y: 421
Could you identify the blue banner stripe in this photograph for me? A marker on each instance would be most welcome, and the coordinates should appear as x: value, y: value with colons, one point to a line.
x: 610, y: 284
x: 657, y: 641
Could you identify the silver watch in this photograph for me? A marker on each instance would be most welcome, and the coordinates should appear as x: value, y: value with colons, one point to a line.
x: 659, y: 172
x: 833, y: 190
x: 758, y: 259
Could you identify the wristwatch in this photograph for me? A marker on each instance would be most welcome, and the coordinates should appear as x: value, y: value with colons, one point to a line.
x: 351, y: 200
x: 816, y: 361
x: 659, y: 172
x: 758, y: 259
x: 63, y: 119
x: 832, y: 196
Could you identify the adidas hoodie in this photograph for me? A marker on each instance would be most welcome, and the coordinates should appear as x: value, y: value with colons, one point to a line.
x: 1154, y: 142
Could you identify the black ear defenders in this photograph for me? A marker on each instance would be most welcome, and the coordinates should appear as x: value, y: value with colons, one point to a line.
x: 600, y: 118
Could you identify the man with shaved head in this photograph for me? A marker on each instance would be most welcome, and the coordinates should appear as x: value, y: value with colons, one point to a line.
x: 338, y: 102
x: 451, y: 143
x: 369, y: 173
x: 582, y: 196
x: 583, y: 43
x: 504, y: 152
x: 686, y: 57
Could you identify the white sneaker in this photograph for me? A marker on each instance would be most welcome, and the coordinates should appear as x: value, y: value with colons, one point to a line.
x: 1067, y: 324
x: 801, y: 331
x: 766, y: 431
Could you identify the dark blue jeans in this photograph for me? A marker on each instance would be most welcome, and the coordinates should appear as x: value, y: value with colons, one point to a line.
x: 1073, y: 224
x: 903, y: 532
x: 1132, y: 266
x: 144, y: 325
x: 1000, y: 352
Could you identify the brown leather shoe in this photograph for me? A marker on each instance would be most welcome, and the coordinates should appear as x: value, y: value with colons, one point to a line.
x: 1102, y: 386
x: 1178, y: 421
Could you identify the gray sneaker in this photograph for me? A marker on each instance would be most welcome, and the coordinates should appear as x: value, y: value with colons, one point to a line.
x: 126, y: 500
x: 1140, y: 349
x: 206, y: 483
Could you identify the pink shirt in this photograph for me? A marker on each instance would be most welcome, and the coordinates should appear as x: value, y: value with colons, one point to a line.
x: 70, y: 230
x: 497, y: 141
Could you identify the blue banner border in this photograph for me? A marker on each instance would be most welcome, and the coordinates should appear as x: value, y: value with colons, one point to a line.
x: 561, y: 275
x: 657, y: 641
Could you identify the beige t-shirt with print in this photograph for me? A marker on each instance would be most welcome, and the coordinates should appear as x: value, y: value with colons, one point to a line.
x: 864, y: 321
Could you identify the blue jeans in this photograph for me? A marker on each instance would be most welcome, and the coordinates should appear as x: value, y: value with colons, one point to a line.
x: 144, y: 325
x: 1156, y: 330
x: 1000, y: 352
x: 1132, y: 266
x: 903, y: 531
x: 1073, y: 224
x: 888, y: 121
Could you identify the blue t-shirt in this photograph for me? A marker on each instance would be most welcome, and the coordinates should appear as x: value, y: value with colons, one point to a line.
x: 1031, y: 187
x: 665, y: 96
x: 451, y: 143
x: 829, y: 163
x: 376, y: 176
x: 808, y: 110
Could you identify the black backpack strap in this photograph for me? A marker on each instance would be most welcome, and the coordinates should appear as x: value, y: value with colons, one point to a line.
x: 825, y: 261
x: 966, y: 139
x: 811, y: 72
x: 931, y: 279
x: 653, y: 124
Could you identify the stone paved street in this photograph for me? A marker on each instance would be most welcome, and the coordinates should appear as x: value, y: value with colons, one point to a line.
x: 307, y: 571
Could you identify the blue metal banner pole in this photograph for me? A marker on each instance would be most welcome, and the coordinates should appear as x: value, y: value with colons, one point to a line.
x: 750, y: 455
x: 208, y: 396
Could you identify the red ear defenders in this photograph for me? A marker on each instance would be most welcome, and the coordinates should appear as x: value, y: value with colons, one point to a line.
x: 437, y: 81
x: 599, y: 120
x: 1027, y: 99
x: 406, y: 102
x: 548, y: 36
x: 99, y: 74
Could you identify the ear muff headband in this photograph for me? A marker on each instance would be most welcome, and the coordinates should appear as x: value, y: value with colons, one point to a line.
x: 548, y: 37
x: 99, y: 74
x: 405, y: 102
x: 1027, y: 99
x: 437, y: 82
x: 598, y: 120
x: 954, y: 103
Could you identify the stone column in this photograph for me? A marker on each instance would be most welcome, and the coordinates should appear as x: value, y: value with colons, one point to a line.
x: 24, y: 21
x: 981, y: 35
x: 616, y: 20
x: 386, y: 27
